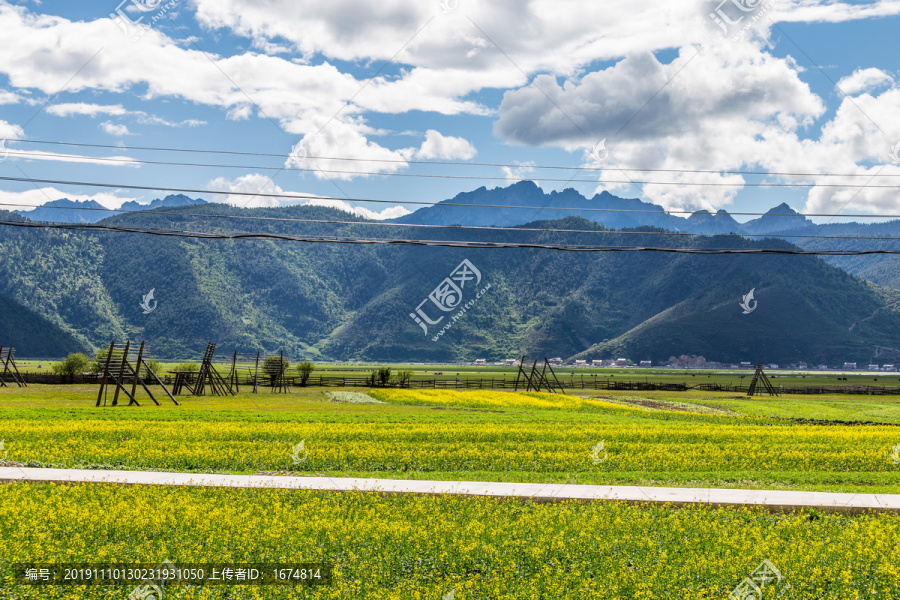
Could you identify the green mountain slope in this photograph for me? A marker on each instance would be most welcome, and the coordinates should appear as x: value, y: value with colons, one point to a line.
x: 32, y: 335
x: 883, y: 269
x: 356, y: 301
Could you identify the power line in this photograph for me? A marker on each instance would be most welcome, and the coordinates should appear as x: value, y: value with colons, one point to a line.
x: 439, y: 243
x: 129, y: 161
x: 440, y: 163
x: 511, y: 228
x: 429, y: 204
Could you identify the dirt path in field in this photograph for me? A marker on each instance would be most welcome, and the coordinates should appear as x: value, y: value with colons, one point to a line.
x: 695, y: 407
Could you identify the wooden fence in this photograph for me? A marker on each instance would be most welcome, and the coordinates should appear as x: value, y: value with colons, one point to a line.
x: 571, y: 385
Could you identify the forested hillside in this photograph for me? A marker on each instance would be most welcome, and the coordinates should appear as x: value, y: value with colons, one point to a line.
x: 360, y: 301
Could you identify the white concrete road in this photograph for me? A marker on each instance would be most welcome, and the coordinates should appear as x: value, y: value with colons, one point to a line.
x: 775, y: 500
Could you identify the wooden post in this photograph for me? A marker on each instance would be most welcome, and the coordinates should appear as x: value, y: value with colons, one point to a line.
x: 256, y: 375
x: 531, y: 378
x: 555, y: 378
x: 232, y: 380
x: 137, y: 371
x: 161, y: 384
x: 9, y: 366
x: 105, y: 372
x: 760, y: 376
x: 121, y: 371
x: 138, y: 378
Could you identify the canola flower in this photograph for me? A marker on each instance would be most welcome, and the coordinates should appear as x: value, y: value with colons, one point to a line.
x: 494, y: 399
x: 650, y: 444
x: 404, y: 547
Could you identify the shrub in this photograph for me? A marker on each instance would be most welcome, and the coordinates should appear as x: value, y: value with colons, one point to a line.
x: 73, y: 365
x: 404, y: 376
x: 190, y: 367
x: 305, y: 369
x: 154, y: 365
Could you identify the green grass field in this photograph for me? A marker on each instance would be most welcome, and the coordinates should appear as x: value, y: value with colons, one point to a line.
x: 568, y: 374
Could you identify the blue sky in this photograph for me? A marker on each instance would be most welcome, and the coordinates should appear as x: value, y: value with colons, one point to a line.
x: 388, y: 82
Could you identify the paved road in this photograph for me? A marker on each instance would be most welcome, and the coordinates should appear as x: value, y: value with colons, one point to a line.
x: 775, y: 500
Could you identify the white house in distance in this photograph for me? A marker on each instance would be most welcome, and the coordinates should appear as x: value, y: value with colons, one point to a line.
x: 802, y: 366
x: 556, y: 362
x: 580, y: 363
x: 850, y: 366
x: 596, y: 363
x: 622, y: 362
x: 512, y: 362
x: 480, y: 361
x: 746, y: 365
x: 874, y: 368
x: 646, y: 364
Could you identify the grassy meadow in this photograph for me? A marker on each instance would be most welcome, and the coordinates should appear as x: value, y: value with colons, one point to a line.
x: 570, y: 375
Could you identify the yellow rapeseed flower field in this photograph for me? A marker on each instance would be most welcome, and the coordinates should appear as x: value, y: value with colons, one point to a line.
x: 491, y: 432
x: 398, y: 548
x: 493, y: 399
x: 393, y: 548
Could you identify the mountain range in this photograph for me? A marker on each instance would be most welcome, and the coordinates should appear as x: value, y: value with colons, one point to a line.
x: 525, y: 202
x: 432, y: 304
x: 89, y: 211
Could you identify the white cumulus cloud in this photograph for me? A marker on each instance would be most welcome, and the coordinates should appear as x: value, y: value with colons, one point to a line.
x: 439, y: 146
x: 114, y: 129
x: 864, y: 80
x: 34, y: 197
x: 248, y: 186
